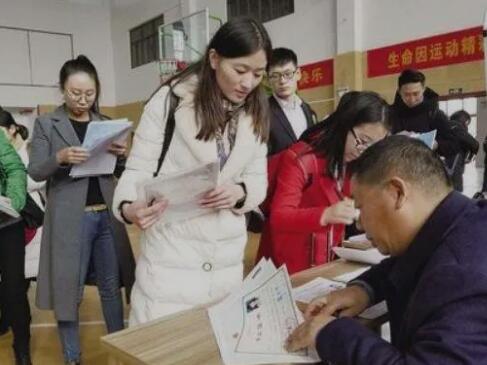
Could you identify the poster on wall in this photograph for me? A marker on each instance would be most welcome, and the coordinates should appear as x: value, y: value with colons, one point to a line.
x: 451, y: 48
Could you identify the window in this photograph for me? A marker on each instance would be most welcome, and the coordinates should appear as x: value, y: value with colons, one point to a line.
x: 144, y: 42
x: 262, y: 10
x: 451, y: 106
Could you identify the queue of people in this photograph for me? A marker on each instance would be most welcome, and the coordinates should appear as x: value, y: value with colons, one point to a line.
x: 316, y: 178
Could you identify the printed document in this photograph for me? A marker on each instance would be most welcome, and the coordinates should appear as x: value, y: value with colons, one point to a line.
x: 99, y: 136
x: 317, y: 287
x: 183, y: 191
x: 252, y: 324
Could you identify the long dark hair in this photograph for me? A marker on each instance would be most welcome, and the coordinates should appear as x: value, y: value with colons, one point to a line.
x: 239, y: 37
x: 355, y: 108
x: 7, y: 121
x: 81, y: 64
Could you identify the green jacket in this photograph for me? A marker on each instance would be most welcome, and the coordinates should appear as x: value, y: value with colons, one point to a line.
x: 13, y: 177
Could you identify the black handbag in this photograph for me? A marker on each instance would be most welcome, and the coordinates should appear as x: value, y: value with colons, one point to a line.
x: 32, y: 214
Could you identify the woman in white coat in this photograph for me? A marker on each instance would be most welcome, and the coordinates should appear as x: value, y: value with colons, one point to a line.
x: 221, y: 114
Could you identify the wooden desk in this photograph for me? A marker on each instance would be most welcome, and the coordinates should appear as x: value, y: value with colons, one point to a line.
x: 186, y: 338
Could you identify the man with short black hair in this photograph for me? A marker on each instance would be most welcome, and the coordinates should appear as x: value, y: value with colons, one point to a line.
x: 434, y: 283
x: 290, y: 115
x: 416, y: 109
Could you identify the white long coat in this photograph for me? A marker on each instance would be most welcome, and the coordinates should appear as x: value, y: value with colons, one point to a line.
x: 199, y: 260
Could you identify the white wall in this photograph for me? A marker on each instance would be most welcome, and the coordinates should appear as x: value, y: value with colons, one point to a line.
x: 310, y: 31
x: 89, y: 23
x: 388, y: 22
x: 137, y: 84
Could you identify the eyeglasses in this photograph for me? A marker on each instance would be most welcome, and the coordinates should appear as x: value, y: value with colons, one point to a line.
x: 76, y: 95
x: 360, y: 143
x: 286, y: 75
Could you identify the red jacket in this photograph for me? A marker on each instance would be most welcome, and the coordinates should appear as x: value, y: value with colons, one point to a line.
x: 293, y: 234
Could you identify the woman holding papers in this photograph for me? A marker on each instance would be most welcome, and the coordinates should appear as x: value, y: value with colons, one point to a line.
x: 79, y: 229
x: 221, y: 115
x: 311, y: 205
x: 15, y: 305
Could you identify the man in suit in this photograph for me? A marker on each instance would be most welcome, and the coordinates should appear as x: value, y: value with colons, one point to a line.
x: 434, y: 283
x: 290, y: 115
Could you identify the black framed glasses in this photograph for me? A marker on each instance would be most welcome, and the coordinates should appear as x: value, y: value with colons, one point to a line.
x: 286, y: 75
x: 359, y: 142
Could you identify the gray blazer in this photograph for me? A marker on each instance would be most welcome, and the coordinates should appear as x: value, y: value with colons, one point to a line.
x: 58, y: 278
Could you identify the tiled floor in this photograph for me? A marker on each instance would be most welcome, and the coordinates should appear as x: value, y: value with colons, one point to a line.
x: 46, y: 349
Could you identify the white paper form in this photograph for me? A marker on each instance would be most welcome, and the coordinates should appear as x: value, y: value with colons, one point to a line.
x: 6, y: 207
x: 317, y: 287
x: 99, y: 136
x: 252, y: 329
x: 183, y: 191
x: 349, y: 276
x: 371, y: 256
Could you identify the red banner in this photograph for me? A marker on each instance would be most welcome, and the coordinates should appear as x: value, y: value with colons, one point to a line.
x: 445, y: 49
x: 316, y: 74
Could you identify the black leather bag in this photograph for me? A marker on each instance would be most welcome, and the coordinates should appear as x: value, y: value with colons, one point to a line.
x: 32, y: 214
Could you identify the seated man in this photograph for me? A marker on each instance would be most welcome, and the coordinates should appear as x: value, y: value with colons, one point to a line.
x: 435, y: 282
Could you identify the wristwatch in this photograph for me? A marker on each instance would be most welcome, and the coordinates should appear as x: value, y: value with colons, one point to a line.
x: 240, y: 203
x: 120, y: 210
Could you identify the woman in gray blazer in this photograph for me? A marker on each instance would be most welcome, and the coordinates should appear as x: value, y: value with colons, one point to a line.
x: 80, y: 232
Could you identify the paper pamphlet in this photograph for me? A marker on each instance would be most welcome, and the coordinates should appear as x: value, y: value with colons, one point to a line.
x: 317, y: 287
x: 252, y: 324
x: 428, y: 138
x: 371, y: 256
x: 183, y: 191
x: 99, y: 136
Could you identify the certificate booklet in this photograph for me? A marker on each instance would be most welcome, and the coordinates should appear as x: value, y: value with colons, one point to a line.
x: 252, y: 324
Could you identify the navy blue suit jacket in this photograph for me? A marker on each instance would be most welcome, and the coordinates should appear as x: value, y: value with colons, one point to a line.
x: 436, y: 293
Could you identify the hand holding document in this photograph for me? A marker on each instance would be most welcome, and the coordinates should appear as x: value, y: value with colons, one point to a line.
x: 183, y: 191
x: 358, y: 248
x: 99, y: 137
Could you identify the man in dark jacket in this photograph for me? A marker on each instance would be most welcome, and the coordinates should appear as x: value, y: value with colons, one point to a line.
x: 415, y: 109
x: 434, y: 283
x: 290, y: 115
x: 469, y: 147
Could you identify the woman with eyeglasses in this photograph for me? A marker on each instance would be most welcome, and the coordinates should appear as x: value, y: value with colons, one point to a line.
x: 80, y: 232
x: 311, y: 202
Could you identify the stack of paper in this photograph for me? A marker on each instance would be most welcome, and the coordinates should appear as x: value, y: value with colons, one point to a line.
x: 183, y: 190
x: 252, y: 324
x: 315, y: 288
x: 99, y: 136
x: 371, y: 256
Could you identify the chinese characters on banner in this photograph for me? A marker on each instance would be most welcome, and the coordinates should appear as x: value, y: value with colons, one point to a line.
x: 316, y: 74
x: 445, y: 49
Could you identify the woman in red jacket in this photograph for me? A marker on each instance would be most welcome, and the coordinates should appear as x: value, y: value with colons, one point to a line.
x: 311, y: 204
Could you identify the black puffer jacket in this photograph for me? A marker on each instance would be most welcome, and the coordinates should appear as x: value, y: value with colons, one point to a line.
x: 425, y: 117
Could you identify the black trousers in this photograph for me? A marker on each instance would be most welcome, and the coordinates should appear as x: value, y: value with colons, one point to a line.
x: 15, y: 305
